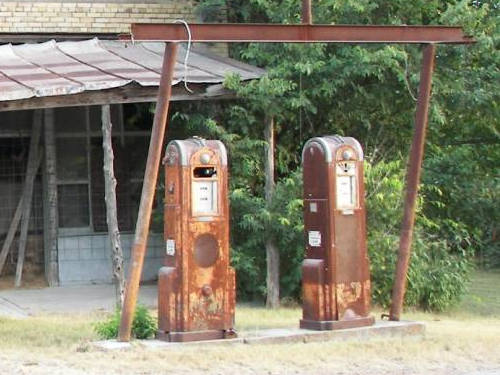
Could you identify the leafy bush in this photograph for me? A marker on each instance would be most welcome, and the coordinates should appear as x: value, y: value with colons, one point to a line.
x: 143, y: 325
x: 438, y: 270
x: 108, y: 329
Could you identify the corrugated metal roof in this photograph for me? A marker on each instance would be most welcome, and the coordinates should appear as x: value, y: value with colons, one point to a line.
x: 64, y: 68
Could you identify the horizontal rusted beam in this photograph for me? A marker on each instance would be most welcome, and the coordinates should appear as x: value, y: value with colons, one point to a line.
x: 267, y: 33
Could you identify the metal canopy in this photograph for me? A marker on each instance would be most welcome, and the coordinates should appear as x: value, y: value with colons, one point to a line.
x: 308, y: 33
x: 266, y: 33
x: 57, y: 69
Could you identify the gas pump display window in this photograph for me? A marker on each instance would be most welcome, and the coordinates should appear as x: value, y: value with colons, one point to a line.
x: 204, y: 190
x: 346, y: 185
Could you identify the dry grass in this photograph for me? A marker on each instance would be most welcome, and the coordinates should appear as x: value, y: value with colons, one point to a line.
x: 463, y: 341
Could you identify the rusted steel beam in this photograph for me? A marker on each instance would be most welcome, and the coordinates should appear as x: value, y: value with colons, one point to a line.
x: 148, y: 191
x: 306, y: 12
x: 304, y: 33
x: 413, y: 178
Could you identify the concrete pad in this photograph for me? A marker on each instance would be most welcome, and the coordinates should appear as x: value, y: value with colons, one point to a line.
x: 11, y: 310
x: 158, y: 344
x: 381, y: 329
x: 111, y: 345
x: 70, y: 299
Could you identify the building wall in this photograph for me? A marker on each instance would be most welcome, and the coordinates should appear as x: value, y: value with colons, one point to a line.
x: 85, y: 259
x: 111, y: 16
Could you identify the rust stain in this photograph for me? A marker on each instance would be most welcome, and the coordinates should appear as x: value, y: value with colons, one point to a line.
x: 348, y: 293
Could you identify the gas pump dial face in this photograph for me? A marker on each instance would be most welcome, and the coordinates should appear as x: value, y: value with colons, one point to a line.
x: 345, y: 167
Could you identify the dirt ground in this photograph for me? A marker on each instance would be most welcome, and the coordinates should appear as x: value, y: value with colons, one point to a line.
x: 465, y: 341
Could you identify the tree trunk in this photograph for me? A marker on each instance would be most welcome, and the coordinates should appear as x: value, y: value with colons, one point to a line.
x: 50, y: 200
x: 272, y: 252
x: 111, y: 209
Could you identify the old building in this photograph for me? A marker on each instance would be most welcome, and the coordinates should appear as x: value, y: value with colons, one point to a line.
x: 52, y: 68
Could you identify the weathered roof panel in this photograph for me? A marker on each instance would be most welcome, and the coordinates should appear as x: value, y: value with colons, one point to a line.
x: 40, y: 81
x: 50, y: 57
x: 65, y: 68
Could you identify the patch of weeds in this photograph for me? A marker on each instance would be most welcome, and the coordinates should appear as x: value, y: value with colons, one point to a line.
x: 143, y: 325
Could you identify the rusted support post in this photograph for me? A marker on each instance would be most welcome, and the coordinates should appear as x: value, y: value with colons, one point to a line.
x: 306, y: 12
x: 412, y: 181
x: 148, y: 190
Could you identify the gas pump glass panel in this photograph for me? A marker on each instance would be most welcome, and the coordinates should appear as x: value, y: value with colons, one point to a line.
x: 204, y: 191
x: 346, y: 185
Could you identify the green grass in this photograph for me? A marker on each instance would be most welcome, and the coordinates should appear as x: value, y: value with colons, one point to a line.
x: 63, y: 331
x: 250, y: 317
x: 47, y: 331
x: 483, y: 296
x: 465, y: 339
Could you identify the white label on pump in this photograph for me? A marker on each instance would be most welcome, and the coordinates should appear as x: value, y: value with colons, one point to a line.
x: 314, y: 238
x: 204, y: 197
x: 170, y: 247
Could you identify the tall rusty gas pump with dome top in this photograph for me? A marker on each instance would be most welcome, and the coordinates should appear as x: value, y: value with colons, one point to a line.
x: 196, y: 286
x: 335, y: 272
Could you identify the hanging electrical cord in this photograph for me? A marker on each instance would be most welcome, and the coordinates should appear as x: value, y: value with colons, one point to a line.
x: 407, y: 73
x: 186, y: 57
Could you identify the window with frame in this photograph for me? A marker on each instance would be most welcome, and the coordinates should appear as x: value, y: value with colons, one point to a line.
x: 80, y: 174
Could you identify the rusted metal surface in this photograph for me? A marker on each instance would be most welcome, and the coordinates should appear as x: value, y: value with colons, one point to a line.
x: 58, y: 69
x: 148, y: 190
x: 306, y: 12
x: 335, y: 273
x: 196, y: 286
x: 304, y: 33
x: 413, y: 178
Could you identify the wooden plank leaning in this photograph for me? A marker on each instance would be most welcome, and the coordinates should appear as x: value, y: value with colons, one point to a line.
x: 28, y: 186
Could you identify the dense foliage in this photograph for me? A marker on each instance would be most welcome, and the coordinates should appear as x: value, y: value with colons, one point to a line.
x: 367, y: 92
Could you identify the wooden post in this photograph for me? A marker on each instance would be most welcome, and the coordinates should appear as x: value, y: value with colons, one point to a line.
x: 111, y: 209
x: 11, y: 233
x: 272, y: 252
x: 50, y: 200
x: 17, y: 216
x: 34, y: 159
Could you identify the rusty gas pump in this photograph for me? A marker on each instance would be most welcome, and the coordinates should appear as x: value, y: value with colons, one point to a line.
x: 335, y: 272
x: 196, y: 286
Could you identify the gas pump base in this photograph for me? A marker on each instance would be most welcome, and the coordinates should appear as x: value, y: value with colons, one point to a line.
x: 330, y: 325
x: 195, y: 335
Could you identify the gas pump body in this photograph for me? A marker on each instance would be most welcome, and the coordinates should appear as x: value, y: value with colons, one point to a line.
x: 196, y: 285
x: 335, y: 271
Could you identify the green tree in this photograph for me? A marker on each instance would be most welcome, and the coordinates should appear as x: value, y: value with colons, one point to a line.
x: 365, y: 91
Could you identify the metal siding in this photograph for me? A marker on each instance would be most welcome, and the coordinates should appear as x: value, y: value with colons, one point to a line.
x: 64, y: 68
